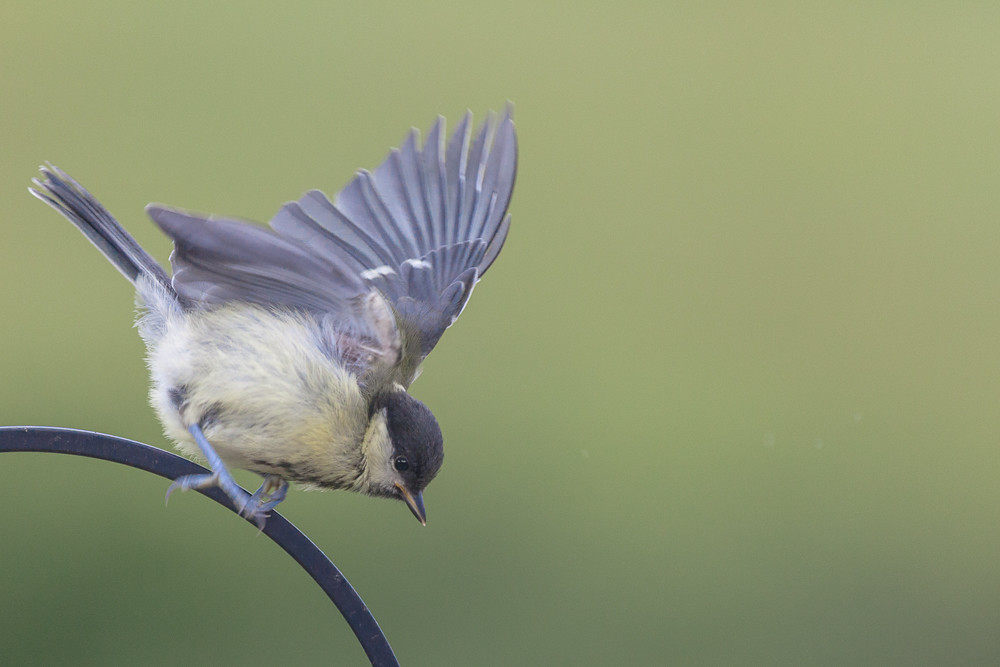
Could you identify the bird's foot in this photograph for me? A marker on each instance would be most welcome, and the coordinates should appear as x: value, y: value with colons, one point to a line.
x: 271, y: 492
x: 224, y: 481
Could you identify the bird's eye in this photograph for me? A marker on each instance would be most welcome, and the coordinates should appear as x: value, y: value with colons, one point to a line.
x: 401, y: 464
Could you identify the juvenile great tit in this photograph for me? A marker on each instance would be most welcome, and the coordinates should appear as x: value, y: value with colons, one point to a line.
x: 288, y: 351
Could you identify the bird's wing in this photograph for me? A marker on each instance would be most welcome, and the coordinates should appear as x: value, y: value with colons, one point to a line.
x: 423, y: 227
x: 216, y: 260
x: 418, y: 232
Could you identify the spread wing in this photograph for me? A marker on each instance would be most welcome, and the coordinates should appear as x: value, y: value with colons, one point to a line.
x: 416, y: 234
x: 216, y: 260
x: 422, y: 228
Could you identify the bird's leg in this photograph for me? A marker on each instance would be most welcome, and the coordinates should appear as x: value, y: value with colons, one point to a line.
x: 221, y: 478
x: 271, y: 492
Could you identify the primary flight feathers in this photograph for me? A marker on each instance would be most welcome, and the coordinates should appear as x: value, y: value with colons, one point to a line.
x: 422, y: 229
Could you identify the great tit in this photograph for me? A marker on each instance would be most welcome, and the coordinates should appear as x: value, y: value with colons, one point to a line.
x: 288, y: 351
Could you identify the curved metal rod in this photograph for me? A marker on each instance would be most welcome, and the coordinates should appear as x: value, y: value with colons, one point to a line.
x: 171, y: 466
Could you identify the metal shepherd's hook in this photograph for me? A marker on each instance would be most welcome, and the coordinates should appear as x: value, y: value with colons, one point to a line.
x: 163, y: 463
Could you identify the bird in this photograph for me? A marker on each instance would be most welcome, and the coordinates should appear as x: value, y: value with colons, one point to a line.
x: 288, y: 350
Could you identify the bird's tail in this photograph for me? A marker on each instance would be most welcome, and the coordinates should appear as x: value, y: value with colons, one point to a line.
x: 61, y: 192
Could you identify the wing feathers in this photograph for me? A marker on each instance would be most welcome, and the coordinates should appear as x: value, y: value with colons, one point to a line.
x: 217, y: 260
x: 495, y: 244
x: 421, y: 228
x: 456, y: 164
x: 427, y: 215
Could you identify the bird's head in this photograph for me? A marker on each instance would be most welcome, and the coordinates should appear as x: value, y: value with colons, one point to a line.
x: 403, y: 450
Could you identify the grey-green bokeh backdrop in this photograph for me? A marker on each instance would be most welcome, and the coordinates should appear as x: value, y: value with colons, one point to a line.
x: 729, y: 396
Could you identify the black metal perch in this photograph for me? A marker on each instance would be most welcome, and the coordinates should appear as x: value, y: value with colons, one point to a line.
x: 171, y: 466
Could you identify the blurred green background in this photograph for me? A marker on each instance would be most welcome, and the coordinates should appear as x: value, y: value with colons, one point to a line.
x: 728, y: 397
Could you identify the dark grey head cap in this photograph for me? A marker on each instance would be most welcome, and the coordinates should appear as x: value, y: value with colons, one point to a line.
x: 417, y: 443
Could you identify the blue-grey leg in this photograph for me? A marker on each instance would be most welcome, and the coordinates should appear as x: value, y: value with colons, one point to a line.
x: 221, y: 478
x: 271, y: 492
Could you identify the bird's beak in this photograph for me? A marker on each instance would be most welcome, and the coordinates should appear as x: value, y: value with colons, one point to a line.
x: 414, y: 502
